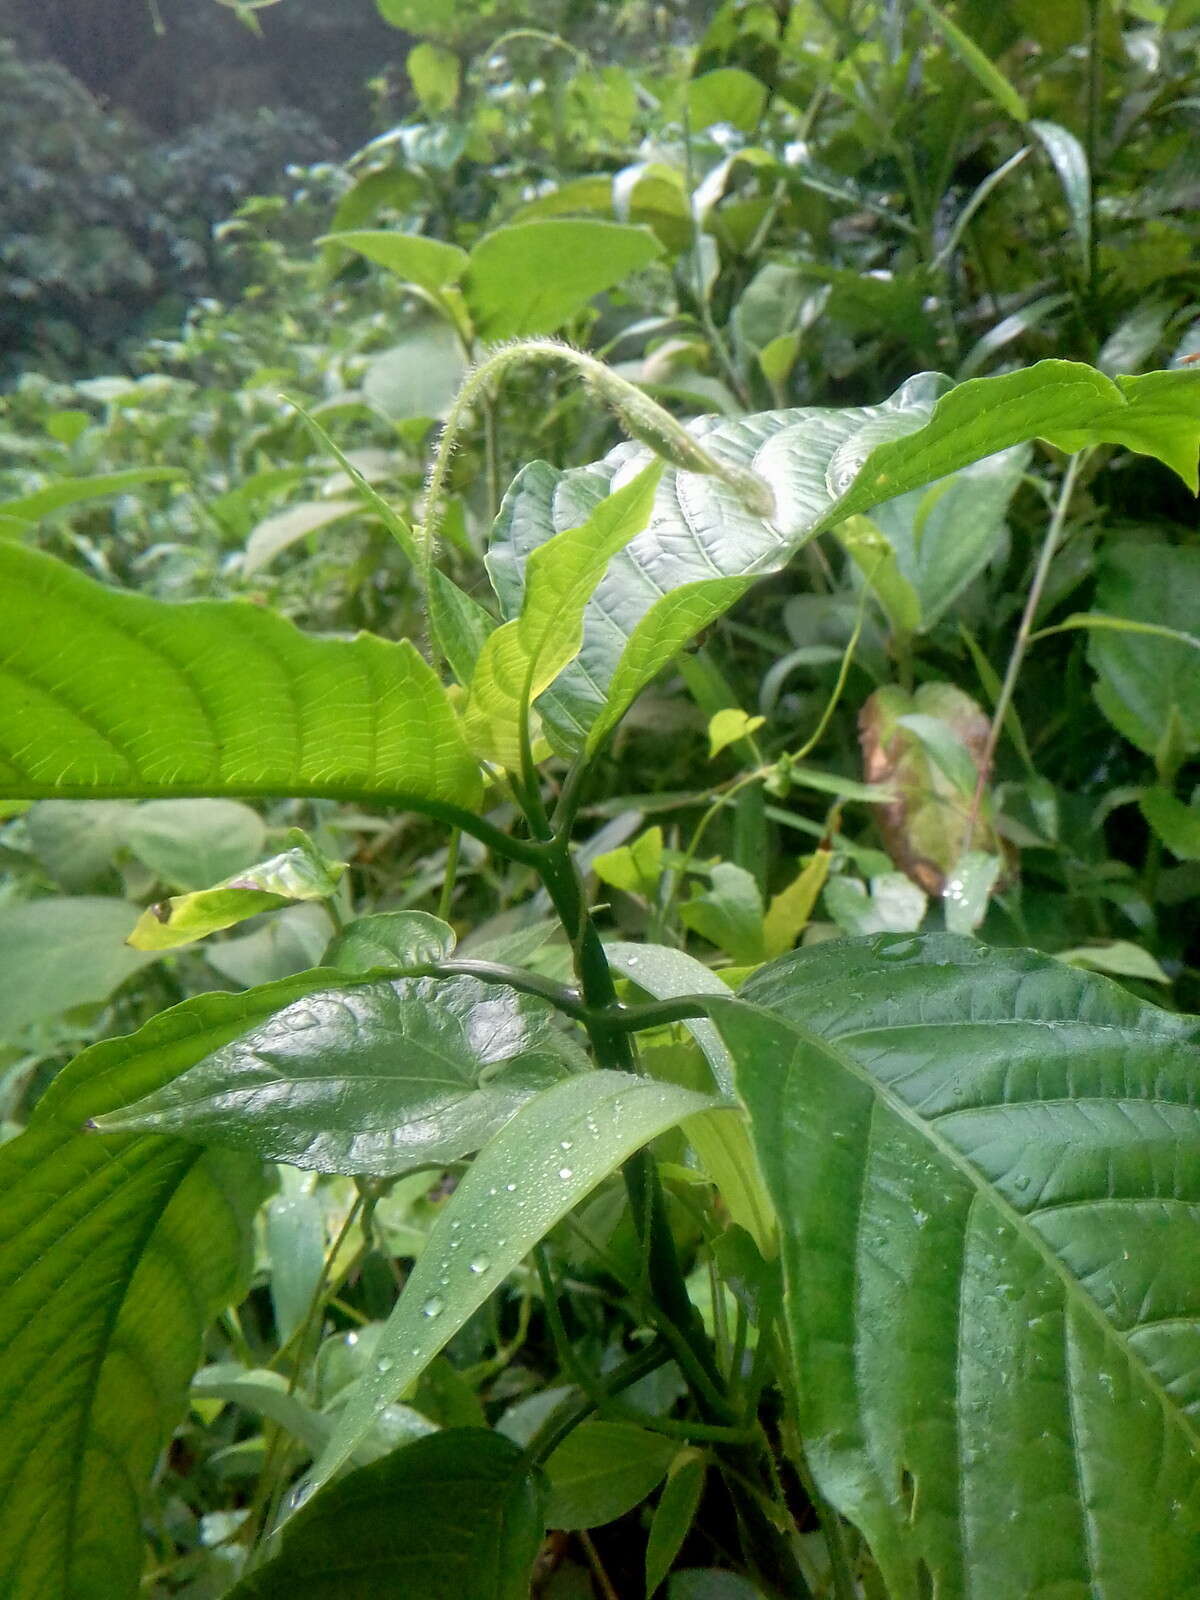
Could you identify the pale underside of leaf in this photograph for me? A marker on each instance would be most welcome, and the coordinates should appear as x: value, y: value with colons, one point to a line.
x: 105, y: 693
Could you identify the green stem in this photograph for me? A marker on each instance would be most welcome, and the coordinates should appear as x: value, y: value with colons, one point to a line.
x: 1021, y: 644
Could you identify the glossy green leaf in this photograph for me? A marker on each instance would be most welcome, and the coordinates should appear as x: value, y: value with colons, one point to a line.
x: 296, y: 874
x: 987, y: 1170
x: 601, y: 1470
x: 673, y: 1515
x: 522, y: 658
x: 376, y: 1079
x: 453, y: 1515
x: 114, y: 1253
x: 191, y: 843
x: 729, y: 913
x: 636, y: 868
x: 666, y: 974
x: 554, y: 1152
x: 390, y: 941
x: 429, y: 263
x: 60, y: 953
x: 108, y: 693
x: 532, y: 277
x: 704, y: 547
x: 460, y: 625
x: 74, y: 491
x: 1149, y: 687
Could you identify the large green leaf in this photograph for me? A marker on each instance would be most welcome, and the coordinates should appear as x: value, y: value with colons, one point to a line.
x: 376, y: 1079
x: 454, y: 1516
x: 72, y: 491
x: 114, y: 1253
x: 108, y: 693
x: 1149, y: 686
x: 523, y: 657
x: 429, y: 263
x: 704, y: 546
x: 987, y: 1171
x: 531, y: 277
x: 550, y: 1156
x: 602, y: 1470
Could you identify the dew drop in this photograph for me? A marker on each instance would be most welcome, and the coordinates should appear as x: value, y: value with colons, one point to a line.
x: 384, y: 1364
x: 455, y: 1225
x: 454, y: 1243
x: 500, y: 1243
x: 565, y: 1173
x: 632, y: 962
x: 564, y: 1144
x: 434, y: 1306
x: 415, y: 1351
x: 511, y: 1187
x: 480, y: 1264
x: 493, y: 1193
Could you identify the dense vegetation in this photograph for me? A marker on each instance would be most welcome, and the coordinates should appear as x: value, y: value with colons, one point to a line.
x: 600, y: 809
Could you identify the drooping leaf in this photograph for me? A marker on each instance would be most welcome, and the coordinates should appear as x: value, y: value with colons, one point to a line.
x: 531, y: 277
x: 298, y: 873
x: 987, y: 1171
x: 455, y: 1514
x: 114, y: 1253
x: 601, y: 1470
x: 376, y: 1079
x: 666, y: 974
x: 109, y: 694
x: 1069, y: 159
x: 704, y: 547
x: 553, y: 1153
x: 1118, y: 957
x: 976, y: 61
x: 523, y: 657
x: 729, y: 913
x: 282, y: 529
x: 60, y: 953
x: 791, y: 909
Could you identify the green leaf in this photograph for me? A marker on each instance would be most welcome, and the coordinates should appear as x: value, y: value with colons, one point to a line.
x: 601, y: 1470
x: 73, y: 491
x: 982, y: 69
x: 456, y: 1514
x: 278, y: 532
x: 1149, y: 687
x: 390, y: 941
x: 435, y: 74
x: 554, y: 1152
x: 190, y: 843
x: 729, y: 914
x: 109, y: 694
x: 1176, y: 824
x: 60, y: 953
x: 987, y: 1170
x: 636, y: 868
x: 1070, y: 161
x: 673, y: 1515
x: 377, y: 1079
x: 420, y: 376
x: 296, y: 874
x: 522, y: 658
x: 666, y: 974
x: 1117, y: 957
x: 727, y: 94
x: 114, y: 1254
x: 729, y: 725
x: 704, y: 547
x: 76, y: 840
x: 460, y: 625
x: 429, y: 263
x: 532, y: 277
x: 790, y: 911
x: 941, y: 538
